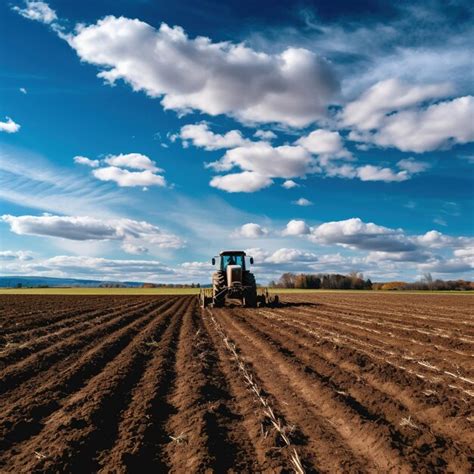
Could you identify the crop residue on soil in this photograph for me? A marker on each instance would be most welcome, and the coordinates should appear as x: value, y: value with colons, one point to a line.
x: 334, y: 382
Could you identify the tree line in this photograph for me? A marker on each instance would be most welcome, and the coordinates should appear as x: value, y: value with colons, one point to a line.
x: 356, y: 281
x: 329, y: 281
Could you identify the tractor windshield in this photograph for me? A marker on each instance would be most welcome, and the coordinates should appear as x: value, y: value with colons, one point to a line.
x: 231, y: 260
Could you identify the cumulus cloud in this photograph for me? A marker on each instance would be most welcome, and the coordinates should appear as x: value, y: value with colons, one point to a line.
x: 266, y: 135
x: 200, y: 136
x: 290, y: 184
x: 324, y: 143
x: 296, y: 227
x: 37, y: 11
x: 293, y: 87
x: 273, y: 162
x: 376, y: 173
x: 303, y: 202
x: 413, y: 166
x: 449, y: 265
x: 356, y: 234
x: 83, y: 160
x: 135, y: 236
x: 245, y: 182
x: 319, y: 152
x: 126, y: 178
x: 366, y: 173
x: 391, y: 114
x: 9, y: 126
x: 118, y: 173
x: 369, y: 111
x: 251, y: 231
x: 435, y: 239
x: 285, y: 255
x: 133, y: 161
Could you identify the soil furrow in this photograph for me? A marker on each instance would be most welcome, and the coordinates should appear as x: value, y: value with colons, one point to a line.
x: 439, y: 448
x: 41, y: 361
x: 435, y: 407
x: 390, y: 351
x: 86, y: 424
x: 24, y: 418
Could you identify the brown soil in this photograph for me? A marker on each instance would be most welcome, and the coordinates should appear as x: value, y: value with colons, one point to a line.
x: 324, y: 383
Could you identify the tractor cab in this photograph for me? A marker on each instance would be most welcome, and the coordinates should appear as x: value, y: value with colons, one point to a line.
x: 231, y: 257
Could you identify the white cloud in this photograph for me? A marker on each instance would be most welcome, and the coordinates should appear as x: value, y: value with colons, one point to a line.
x: 365, y: 173
x: 135, y: 236
x: 375, y: 173
x: 9, y: 126
x: 440, y: 125
x: 37, y: 11
x: 285, y: 255
x: 290, y: 184
x: 303, y: 202
x: 83, y: 160
x: 293, y: 87
x: 110, y: 268
x: 413, y: 166
x: 391, y: 114
x: 296, y: 227
x: 23, y: 90
x: 435, y: 239
x: 251, y: 231
x: 325, y: 143
x: 132, y: 160
x: 10, y: 255
x: 245, y: 182
x: 262, y: 158
x: 450, y: 265
x: 369, y: 111
x: 266, y: 135
x: 125, y: 178
x: 465, y: 252
x: 356, y: 234
x: 200, y: 135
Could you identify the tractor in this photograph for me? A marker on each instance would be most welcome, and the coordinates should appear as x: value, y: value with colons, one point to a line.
x: 233, y: 282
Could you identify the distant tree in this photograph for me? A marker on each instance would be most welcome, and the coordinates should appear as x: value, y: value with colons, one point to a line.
x: 287, y: 280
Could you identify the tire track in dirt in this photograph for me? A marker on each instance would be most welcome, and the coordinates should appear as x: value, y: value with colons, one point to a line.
x: 76, y: 434
x: 405, y: 430
x: 24, y: 417
x: 256, y: 408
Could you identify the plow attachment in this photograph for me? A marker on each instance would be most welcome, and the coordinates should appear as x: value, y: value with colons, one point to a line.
x: 264, y: 298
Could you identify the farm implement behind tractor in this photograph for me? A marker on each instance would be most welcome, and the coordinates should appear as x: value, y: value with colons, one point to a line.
x: 233, y: 282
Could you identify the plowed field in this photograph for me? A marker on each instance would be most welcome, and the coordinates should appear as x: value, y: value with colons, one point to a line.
x: 327, y: 382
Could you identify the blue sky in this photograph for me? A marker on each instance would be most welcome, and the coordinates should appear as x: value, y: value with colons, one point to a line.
x: 139, y: 138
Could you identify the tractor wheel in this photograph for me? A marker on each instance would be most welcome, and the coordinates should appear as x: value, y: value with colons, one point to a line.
x: 218, y: 284
x: 250, y: 296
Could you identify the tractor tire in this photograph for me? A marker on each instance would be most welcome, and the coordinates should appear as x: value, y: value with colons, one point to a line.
x: 250, y: 295
x: 218, y: 284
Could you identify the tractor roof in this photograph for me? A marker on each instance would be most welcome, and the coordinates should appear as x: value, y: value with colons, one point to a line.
x: 231, y: 252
